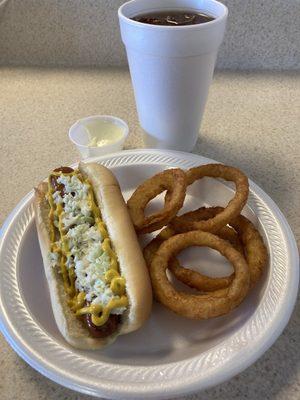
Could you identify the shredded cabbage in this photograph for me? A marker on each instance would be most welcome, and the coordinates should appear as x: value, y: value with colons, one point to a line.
x: 84, y: 241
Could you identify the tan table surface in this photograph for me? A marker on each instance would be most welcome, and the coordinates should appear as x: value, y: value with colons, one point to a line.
x: 251, y: 121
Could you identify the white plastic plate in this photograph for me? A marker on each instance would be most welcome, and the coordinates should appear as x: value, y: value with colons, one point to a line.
x: 170, y: 355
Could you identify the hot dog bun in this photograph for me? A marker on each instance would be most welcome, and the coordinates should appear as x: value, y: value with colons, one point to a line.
x: 130, y: 259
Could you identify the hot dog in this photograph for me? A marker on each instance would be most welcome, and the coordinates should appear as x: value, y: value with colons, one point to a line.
x: 98, y: 282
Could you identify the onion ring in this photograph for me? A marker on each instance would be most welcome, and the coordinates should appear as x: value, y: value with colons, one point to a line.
x: 199, y: 306
x: 254, y: 248
x: 172, y: 180
x: 234, y: 207
x: 188, y: 276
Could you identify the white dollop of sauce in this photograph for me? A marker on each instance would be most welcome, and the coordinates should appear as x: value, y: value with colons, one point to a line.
x: 102, y: 132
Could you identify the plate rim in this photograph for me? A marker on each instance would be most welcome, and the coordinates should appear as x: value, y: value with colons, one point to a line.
x: 179, y: 388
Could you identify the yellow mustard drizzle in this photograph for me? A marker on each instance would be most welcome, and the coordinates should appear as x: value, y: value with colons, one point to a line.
x: 96, y: 309
x: 51, y: 212
x: 77, y: 302
x: 106, y: 247
x: 112, y: 276
x: 69, y: 276
x: 118, y: 286
x: 96, y: 212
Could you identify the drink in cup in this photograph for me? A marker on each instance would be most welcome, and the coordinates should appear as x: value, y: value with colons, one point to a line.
x: 171, y: 47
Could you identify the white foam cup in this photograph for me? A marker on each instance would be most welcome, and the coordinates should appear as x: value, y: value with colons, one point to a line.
x: 171, y: 69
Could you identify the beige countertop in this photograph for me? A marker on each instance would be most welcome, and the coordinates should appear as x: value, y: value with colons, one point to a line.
x: 259, y: 34
x: 251, y: 121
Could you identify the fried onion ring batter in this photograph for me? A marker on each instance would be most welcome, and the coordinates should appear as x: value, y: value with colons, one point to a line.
x: 187, y: 276
x: 199, y: 306
x: 172, y: 180
x: 254, y: 248
x: 244, y: 237
x: 234, y: 207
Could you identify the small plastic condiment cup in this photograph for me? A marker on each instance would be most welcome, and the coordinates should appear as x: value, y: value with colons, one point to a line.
x: 80, y: 137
